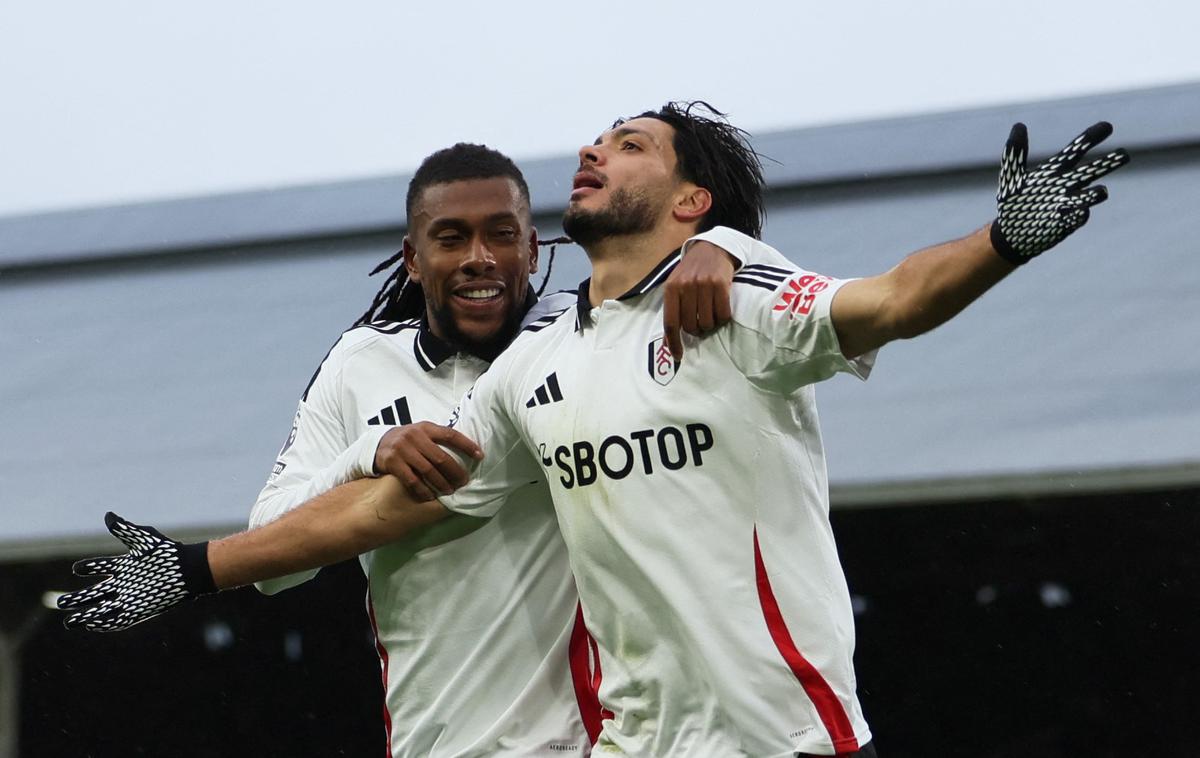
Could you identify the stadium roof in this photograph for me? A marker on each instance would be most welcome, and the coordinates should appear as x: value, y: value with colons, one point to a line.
x: 154, y: 353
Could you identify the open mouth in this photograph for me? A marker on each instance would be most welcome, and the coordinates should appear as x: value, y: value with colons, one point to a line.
x: 585, y: 182
x: 587, y: 179
x: 479, y: 295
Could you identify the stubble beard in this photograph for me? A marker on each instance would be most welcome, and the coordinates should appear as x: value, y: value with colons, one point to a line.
x: 630, y: 211
x: 486, y: 348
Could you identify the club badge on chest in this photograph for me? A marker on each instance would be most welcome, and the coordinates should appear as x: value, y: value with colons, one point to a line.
x: 660, y: 363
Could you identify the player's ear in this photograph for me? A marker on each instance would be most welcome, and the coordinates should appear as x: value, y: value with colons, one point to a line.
x: 691, y: 203
x: 533, y: 250
x: 410, y: 261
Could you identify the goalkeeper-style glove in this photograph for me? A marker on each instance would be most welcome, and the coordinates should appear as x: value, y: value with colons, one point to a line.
x: 1037, y: 209
x: 156, y: 574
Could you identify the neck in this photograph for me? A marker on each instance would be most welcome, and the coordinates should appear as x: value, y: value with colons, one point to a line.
x: 620, y: 262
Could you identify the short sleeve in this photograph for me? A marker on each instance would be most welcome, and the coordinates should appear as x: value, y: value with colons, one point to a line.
x: 782, y: 336
x: 484, y: 416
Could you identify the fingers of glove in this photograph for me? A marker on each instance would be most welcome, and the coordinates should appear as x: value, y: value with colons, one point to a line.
x: 1098, y: 168
x: 1069, y: 156
x: 1073, y: 216
x: 106, y: 566
x: 109, y: 616
x: 100, y: 591
x: 1012, y: 165
x: 136, y: 537
x: 1092, y: 195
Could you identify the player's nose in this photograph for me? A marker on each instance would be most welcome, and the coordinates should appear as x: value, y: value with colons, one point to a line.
x: 479, y: 258
x: 590, y: 155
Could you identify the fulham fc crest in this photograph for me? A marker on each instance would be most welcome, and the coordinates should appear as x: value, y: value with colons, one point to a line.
x: 661, y: 363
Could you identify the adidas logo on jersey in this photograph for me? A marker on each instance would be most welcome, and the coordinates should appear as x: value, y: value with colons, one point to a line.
x: 548, y: 392
x: 395, y: 414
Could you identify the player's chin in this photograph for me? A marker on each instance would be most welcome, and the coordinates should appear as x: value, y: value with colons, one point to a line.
x: 481, y: 325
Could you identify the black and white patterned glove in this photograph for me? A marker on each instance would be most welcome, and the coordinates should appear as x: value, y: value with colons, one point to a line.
x: 156, y: 574
x: 1037, y: 209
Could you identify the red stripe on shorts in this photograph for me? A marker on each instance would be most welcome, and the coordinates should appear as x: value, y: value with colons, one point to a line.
x: 585, y: 676
x: 829, y: 708
x: 383, y: 662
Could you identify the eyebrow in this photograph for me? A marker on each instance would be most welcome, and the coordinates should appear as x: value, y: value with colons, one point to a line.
x: 451, y: 221
x: 625, y: 131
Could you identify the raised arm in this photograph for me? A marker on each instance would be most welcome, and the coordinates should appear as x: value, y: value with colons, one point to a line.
x: 158, y: 572
x: 1035, y: 211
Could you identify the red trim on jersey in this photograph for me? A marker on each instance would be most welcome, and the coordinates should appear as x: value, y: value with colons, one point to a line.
x: 581, y: 652
x: 383, y: 662
x: 829, y: 708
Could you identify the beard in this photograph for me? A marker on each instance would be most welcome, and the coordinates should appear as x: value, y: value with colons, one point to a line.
x: 630, y: 211
x: 486, y: 348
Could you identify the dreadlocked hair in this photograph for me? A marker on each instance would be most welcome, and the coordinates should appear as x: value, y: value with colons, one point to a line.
x: 554, y: 243
x: 400, y: 298
x: 716, y: 155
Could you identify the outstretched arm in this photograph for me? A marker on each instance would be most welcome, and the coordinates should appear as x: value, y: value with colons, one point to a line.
x: 926, y: 290
x: 1035, y: 211
x: 158, y: 573
x: 344, y: 522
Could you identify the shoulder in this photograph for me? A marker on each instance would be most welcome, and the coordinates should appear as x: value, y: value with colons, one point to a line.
x: 536, y: 341
x: 548, y: 308
x: 363, y: 336
x: 354, y: 340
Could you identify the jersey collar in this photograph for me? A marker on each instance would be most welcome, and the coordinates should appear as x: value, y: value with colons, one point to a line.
x: 657, y: 276
x: 431, y: 350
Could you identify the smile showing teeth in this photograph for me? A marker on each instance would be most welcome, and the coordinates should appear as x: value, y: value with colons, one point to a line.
x: 479, y: 294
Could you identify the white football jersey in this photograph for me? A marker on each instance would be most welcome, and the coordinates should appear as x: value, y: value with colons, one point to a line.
x: 475, y: 618
x: 694, y: 503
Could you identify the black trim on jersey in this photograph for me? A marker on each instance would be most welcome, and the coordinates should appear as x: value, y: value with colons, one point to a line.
x: 430, y: 350
x: 541, y: 323
x: 763, y: 268
x: 769, y: 276
x: 389, y: 327
x: 383, y: 327
x: 657, y: 276
x: 755, y: 283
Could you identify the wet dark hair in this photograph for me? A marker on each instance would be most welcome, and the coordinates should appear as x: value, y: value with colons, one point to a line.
x: 716, y: 155
x: 399, y: 298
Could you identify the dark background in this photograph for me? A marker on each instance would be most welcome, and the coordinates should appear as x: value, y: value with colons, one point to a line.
x: 1040, y: 627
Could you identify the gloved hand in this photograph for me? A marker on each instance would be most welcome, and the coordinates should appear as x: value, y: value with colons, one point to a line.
x: 156, y: 574
x: 1037, y: 209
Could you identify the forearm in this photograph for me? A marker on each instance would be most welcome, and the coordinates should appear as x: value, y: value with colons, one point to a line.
x: 933, y: 285
x: 342, y: 523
